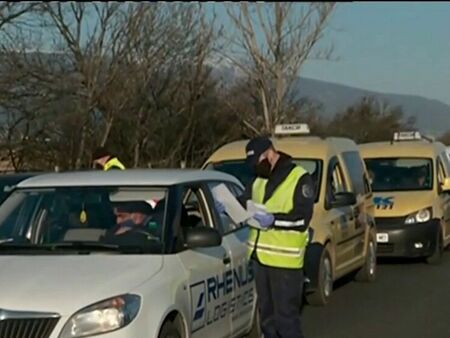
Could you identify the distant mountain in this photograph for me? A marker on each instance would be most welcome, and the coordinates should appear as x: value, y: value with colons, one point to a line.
x: 432, y: 116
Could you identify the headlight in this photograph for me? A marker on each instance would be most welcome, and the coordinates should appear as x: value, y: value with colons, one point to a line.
x: 105, y: 316
x: 421, y: 216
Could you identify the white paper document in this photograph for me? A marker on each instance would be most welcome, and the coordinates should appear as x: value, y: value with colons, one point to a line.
x: 234, y: 209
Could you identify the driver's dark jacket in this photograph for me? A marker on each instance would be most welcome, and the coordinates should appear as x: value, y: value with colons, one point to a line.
x: 303, y: 205
x: 138, y: 232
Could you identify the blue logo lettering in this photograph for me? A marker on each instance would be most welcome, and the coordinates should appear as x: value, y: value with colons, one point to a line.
x: 384, y: 202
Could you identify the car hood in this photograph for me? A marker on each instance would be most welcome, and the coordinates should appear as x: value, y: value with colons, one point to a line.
x: 65, y: 284
x: 399, y: 204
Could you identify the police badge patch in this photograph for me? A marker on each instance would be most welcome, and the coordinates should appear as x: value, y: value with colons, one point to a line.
x: 307, y: 191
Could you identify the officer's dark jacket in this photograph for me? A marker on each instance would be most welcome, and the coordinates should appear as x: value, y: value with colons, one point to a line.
x: 304, y: 195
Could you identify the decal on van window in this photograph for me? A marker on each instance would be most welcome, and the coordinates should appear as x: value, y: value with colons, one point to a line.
x: 384, y: 202
x: 206, y: 295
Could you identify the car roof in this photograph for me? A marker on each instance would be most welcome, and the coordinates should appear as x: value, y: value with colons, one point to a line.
x: 305, y: 147
x: 415, y: 148
x: 16, y: 177
x: 129, y: 177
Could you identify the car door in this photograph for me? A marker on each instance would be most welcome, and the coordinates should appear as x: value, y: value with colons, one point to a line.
x: 342, y: 218
x: 209, y: 285
x: 444, y: 197
x: 235, y: 237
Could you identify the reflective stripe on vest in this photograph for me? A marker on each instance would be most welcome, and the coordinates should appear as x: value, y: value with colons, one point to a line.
x: 275, y: 247
x: 114, y: 162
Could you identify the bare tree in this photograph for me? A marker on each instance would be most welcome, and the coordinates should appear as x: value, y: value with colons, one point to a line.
x: 170, y: 54
x: 271, y: 43
x: 10, y: 11
x: 96, y: 55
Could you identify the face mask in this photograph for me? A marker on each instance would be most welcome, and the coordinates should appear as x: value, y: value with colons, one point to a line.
x: 263, y: 169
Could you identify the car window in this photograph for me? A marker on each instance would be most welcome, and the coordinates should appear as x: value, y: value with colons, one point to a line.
x: 227, y: 225
x: 126, y: 217
x: 194, y: 210
x: 235, y: 189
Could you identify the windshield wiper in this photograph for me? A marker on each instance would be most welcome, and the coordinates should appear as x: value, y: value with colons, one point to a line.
x: 6, y: 240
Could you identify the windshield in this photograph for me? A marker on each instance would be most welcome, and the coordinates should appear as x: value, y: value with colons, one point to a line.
x: 400, y: 173
x: 7, y: 183
x: 241, y: 171
x: 100, y: 218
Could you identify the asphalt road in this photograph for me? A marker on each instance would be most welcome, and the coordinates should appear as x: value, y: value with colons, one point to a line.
x: 409, y: 299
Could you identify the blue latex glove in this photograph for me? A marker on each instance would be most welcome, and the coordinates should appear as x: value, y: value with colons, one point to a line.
x: 264, y: 219
x: 220, y: 207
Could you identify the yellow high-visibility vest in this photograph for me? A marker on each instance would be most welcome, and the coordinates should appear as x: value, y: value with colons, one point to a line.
x: 113, y: 163
x: 278, y: 247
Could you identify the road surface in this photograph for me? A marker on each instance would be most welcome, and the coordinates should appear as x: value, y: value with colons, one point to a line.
x: 409, y: 300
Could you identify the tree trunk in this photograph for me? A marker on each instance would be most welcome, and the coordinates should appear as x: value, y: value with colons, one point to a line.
x: 81, y: 149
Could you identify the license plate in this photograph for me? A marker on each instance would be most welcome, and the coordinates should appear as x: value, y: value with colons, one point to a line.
x: 382, y: 238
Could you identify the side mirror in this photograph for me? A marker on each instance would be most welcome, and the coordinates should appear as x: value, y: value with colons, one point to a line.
x: 445, y: 187
x: 343, y: 199
x: 202, y: 237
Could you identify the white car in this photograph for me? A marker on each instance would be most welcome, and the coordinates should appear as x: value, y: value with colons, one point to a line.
x: 67, y: 273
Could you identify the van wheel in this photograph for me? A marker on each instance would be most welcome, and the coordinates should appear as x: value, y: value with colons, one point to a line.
x: 325, y: 281
x: 170, y: 330
x: 369, y: 271
x: 436, y: 257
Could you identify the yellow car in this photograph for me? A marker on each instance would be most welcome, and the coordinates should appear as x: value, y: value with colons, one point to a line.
x: 411, y: 188
x: 343, y: 228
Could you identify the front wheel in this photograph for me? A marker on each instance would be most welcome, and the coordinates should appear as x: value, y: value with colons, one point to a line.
x: 169, y: 330
x: 322, y: 295
x: 369, y: 270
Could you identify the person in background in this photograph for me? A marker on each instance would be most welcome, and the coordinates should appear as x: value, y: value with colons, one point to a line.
x: 104, y: 159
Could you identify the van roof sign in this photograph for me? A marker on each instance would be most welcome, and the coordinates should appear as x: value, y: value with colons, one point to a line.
x: 292, y: 129
x: 407, y: 136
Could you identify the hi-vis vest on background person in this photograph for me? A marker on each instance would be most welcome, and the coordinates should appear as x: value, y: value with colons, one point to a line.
x: 276, y: 247
x: 114, y: 163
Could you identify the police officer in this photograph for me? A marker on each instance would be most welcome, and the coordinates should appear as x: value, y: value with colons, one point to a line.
x: 106, y: 161
x: 287, y: 192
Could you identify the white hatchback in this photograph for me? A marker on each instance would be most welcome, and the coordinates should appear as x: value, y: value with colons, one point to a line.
x: 68, y: 272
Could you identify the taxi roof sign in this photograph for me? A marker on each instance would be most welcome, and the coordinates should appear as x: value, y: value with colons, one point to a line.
x: 292, y: 129
x: 407, y: 136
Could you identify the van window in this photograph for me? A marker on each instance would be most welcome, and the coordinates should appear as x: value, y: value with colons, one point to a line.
x: 240, y: 170
x: 441, y: 171
x: 336, y: 181
x: 445, y: 157
x: 355, y: 168
x: 400, y: 173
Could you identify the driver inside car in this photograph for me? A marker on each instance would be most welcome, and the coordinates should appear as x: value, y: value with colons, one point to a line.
x: 135, y: 217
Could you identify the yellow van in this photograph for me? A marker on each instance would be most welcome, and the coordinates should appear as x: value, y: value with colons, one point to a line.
x: 410, y: 181
x: 343, y: 229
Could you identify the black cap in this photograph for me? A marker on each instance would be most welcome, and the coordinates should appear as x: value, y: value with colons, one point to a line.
x: 100, y: 152
x: 134, y: 206
x: 255, y: 148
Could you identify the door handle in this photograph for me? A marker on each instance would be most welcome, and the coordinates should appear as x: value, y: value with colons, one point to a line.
x: 226, y: 260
